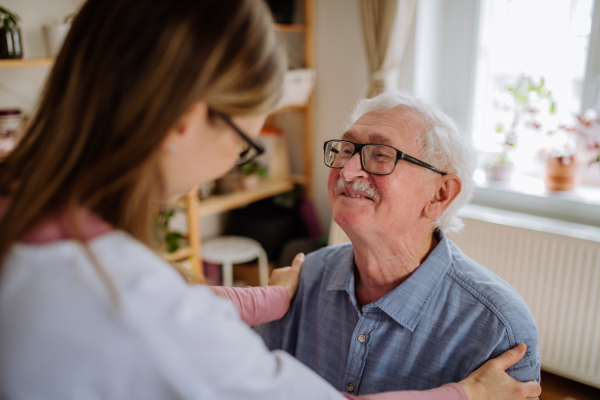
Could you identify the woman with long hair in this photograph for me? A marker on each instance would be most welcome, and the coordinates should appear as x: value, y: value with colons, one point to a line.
x: 147, y: 99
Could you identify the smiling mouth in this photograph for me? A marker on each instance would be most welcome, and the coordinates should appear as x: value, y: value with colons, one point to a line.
x: 355, y: 196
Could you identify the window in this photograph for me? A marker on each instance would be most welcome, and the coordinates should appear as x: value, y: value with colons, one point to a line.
x: 535, y: 38
x: 467, y: 53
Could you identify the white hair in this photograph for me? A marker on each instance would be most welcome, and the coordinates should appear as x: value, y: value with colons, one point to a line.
x: 442, y: 145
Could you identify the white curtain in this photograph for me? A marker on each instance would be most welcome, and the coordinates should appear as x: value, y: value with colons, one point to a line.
x: 386, y: 27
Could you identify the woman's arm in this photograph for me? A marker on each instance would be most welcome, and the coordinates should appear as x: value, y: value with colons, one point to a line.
x: 259, y: 305
x: 489, y: 382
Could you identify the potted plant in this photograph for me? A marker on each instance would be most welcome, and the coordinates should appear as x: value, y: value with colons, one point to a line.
x: 526, y: 97
x: 499, y: 166
x: 252, y: 173
x: 11, y: 46
x: 54, y: 34
x: 562, y: 165
x: 561, y: 172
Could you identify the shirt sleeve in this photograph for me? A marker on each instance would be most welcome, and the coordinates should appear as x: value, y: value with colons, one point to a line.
x: 451, y: 391
x: 257, y: 305
x: 528, y: 368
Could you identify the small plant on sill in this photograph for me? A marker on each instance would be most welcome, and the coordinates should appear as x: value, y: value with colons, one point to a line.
x: 578, y: 141
x: 526, y: 99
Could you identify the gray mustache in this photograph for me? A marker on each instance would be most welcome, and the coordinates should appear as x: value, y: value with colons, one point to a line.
x: 361, y: 186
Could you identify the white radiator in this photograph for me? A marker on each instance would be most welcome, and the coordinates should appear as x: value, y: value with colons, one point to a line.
x: 555, y: 266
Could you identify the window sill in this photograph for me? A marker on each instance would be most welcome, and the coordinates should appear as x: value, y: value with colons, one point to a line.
x: 528, y: 195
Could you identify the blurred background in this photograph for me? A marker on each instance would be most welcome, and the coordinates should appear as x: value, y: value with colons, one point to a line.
x: 520, y: 77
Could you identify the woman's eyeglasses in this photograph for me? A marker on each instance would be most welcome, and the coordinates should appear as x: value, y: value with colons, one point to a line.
x: 376, y: 159
x: 250, y: 149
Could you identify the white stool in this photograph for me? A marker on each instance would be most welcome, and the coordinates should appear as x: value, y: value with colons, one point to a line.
x: 229, y: 250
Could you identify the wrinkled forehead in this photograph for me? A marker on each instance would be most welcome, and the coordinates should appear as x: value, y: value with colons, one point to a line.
x: 400, y: 128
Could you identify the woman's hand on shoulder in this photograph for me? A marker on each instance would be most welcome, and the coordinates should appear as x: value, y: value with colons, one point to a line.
x: 491, y: 382
x: 288, y: 277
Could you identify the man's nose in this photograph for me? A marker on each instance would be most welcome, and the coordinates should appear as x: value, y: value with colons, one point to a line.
x: 353, y: 169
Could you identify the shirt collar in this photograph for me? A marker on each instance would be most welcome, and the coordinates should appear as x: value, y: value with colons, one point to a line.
x: 343, y: 269
x: 407, y: 302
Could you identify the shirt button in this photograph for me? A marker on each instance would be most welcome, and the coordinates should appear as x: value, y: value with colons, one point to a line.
x: 361, y: 338
x: 350, y: 387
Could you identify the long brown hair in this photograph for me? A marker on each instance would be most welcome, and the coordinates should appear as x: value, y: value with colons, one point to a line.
x: 127, y: 71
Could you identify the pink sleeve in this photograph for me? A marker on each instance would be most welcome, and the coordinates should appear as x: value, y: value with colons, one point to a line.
x: 450, y: 391
x: 257, y: 305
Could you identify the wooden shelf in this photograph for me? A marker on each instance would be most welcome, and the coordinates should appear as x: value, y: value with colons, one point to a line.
x: 299, y: 28
x: 41, y: 62
x: 266, y: 188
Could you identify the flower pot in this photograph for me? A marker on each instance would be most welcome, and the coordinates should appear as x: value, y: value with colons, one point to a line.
x: 561, y: 173
x: 54, y: 36
x: 498, y: 172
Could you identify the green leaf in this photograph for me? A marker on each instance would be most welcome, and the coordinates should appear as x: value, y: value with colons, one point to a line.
x: 12, y: 16
x: 553, y: 108
x: 172, y: 239
x: 248, y: 168
x: 500, y: 128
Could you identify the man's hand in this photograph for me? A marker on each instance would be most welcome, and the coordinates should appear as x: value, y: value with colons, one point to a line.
x: 491, y: 382
x: 288, y: 276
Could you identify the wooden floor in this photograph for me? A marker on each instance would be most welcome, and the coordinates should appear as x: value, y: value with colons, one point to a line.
x: 555, y: 387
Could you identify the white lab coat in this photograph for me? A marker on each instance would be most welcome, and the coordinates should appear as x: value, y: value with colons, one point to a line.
x: 61, y: 336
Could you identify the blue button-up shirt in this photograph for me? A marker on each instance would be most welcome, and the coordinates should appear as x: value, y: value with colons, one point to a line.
x: 442, y: 323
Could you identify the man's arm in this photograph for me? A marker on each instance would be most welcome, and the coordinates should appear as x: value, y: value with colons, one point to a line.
x: 528, y: 369
x: 519, y: 327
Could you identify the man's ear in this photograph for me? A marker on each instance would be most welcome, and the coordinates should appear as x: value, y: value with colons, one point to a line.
x: 447, y: 191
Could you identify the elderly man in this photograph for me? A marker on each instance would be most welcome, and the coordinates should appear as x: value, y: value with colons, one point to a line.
x: 401, y: 307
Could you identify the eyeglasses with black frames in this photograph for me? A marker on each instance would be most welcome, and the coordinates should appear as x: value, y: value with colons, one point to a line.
x: 376, y: 159
x: 250, y: 149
